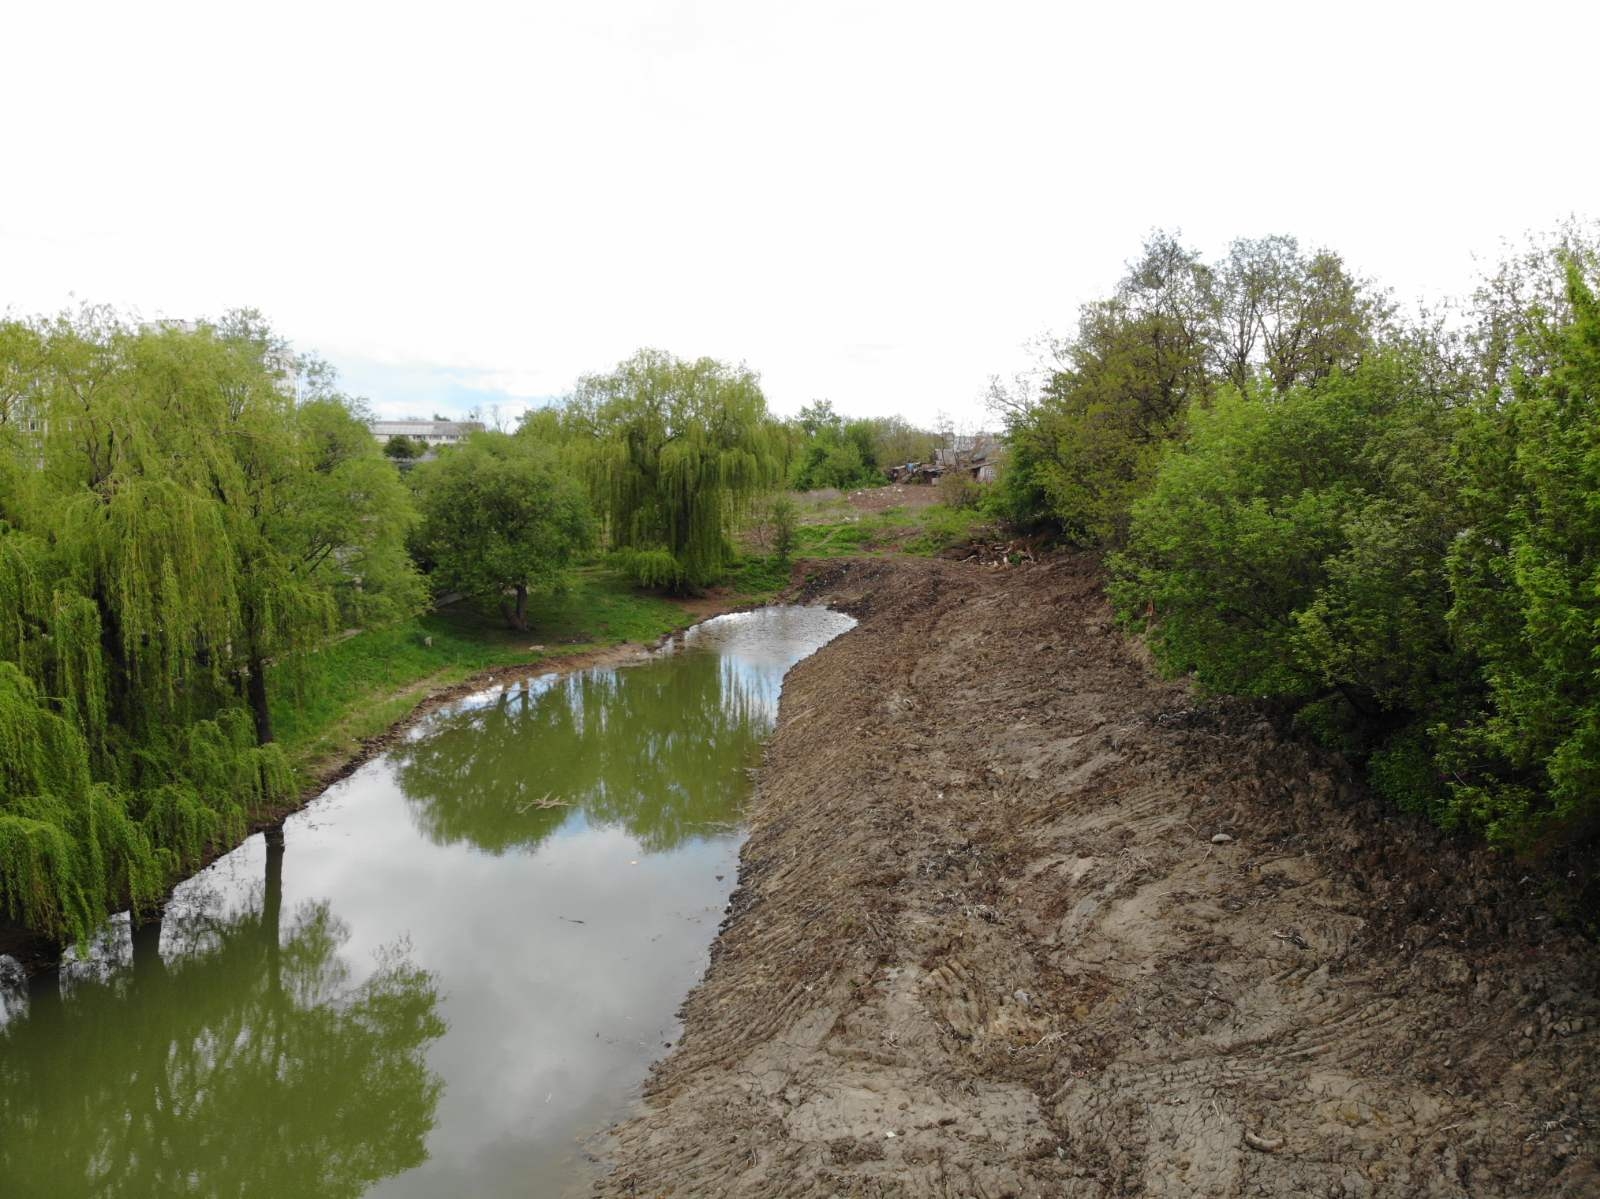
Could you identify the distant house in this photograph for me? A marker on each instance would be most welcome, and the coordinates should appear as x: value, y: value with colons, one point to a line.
x: 978, y: 454
x: 431, y: 433
x: 967, y: 450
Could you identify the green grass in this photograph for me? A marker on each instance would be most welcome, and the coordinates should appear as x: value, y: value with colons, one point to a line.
x: 360, y: 686
x: 832, y: 540
x: 757, y: 579
x: 923, y: 531
x: 942, y: 527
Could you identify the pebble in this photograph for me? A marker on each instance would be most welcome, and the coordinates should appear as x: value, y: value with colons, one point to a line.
x: 1221, y: 839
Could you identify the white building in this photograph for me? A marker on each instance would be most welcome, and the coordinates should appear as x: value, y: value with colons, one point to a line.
x: 430, y: 433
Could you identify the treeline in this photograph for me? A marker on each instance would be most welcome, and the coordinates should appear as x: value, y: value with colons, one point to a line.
x: 826, y: 449
x: 657, y: 463
x: 188, y: 510
x: 1390, y: 527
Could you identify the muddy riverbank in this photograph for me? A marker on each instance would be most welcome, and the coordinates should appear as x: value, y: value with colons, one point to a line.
x: 1018, y: 918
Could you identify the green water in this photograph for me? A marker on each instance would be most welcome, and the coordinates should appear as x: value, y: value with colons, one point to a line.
x: 448, y: 974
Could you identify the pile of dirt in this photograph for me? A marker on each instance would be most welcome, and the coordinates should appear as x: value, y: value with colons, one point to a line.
x: 1017, y: 918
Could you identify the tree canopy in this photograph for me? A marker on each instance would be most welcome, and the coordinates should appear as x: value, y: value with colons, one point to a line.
x: 675, y: 452
x: 501, y: 519
x: 179, y: 507
x: 1173, y: 331
x: 1393, y: 534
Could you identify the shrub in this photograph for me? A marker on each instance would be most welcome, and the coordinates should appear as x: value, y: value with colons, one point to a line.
x: 1524, y: 575
x: 959, y: 490
x: 783, y: 517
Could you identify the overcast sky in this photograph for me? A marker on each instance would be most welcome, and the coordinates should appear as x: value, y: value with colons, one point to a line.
x: 878, y: 203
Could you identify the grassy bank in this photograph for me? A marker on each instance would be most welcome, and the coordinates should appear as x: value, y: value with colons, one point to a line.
x: 357, y: 688
x: 868, y: 522
x: 837, y: 529
x: 325, y: 706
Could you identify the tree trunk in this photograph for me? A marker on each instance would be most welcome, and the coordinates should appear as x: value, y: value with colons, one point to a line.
x: 517, y: 617
x: 256, y: 686
x: 44, y: 996
x: 272, y: 905
x: 147, y: 949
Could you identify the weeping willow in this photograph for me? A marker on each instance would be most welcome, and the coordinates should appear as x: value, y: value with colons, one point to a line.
x: 681, y: 449
x: 173, y: 520
x: 68, y: 846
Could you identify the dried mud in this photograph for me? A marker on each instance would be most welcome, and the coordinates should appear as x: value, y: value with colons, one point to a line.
x: 984, y: 943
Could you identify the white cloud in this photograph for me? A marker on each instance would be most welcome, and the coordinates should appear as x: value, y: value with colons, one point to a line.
x: 876, y: 203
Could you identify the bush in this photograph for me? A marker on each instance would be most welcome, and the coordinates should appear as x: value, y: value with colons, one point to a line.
x: 1418, y: 574
x: 772, y: 528
x: 1524, y: 575
x: 783, y: 517
x: 1231, y: 544
x: 1292, y: 549
x: 959, y: 490
x: 943, y: 527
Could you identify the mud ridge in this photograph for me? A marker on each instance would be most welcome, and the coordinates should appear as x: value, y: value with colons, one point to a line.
x: 1018, y: 918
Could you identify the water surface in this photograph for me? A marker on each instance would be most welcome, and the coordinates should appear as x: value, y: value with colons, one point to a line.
x: 444, y: 978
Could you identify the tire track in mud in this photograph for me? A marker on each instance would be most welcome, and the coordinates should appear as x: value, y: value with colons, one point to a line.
x: 984, y: 944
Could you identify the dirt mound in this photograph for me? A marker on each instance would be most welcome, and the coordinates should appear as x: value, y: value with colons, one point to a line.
x: 1017, y: 918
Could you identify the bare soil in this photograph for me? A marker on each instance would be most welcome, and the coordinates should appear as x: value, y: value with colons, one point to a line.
x: 911, y: 496
x: 987, y: 942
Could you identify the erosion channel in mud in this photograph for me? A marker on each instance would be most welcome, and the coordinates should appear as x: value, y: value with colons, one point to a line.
x: 442, y: 977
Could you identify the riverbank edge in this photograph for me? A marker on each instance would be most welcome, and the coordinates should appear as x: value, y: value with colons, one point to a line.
x: 1008, y: 897
x: 37, y: 955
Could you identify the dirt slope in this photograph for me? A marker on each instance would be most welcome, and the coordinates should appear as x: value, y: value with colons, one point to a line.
x: 984, y: 944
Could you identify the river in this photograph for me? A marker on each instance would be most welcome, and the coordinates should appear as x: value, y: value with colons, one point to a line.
x: 446, y: 976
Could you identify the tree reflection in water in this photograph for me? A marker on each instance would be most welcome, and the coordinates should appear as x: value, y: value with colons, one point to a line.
x: 234, y: 1058
x: 659, y: 750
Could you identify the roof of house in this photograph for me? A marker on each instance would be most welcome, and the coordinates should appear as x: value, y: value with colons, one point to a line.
x: 425, y: 428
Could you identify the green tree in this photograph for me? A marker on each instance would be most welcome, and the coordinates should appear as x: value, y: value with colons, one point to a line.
x: 1089, y: 447
x: 315, y: 521
x: 680, y: 450
x: 1296, y: 316
x: 402, y: 448
x: 818, y: 419
x: 829, y: 451
x: 1517, y: 305
x: 1282, y: 551
x: 896, y: 442
x: 501, y: 519
x: 1174, y: 330
x: 172, y: 518
x: 1525, y: 575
